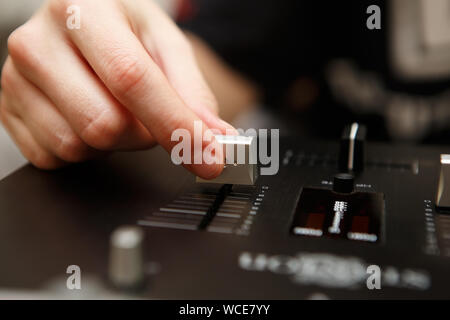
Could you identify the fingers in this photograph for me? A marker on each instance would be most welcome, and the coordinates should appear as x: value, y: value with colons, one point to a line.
x: 126, y: 68
x: 50, y: 130
x: 93, y: 113
x: 27, y: 144
x: 173, y: 53
x: 115, y: 84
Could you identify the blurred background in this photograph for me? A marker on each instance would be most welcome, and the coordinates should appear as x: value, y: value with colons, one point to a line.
x: 316, y: 64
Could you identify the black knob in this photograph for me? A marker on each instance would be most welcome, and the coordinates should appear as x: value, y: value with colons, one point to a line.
x: 343, y: 183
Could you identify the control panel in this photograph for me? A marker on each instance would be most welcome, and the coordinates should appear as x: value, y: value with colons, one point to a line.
x: 137, y: 225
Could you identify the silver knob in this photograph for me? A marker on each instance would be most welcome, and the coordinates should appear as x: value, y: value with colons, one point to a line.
x: 240, y: 161
x: 126, y: 261
x: 443, y: 188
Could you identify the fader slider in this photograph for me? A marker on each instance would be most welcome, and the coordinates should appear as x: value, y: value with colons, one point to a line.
x: 240, y: 161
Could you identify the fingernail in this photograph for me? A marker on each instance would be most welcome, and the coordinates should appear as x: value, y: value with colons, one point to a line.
x: 230, y: 130
x: 211, y: 171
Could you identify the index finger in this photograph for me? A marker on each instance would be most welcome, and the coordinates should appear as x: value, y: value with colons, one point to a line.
x: 119, y: 59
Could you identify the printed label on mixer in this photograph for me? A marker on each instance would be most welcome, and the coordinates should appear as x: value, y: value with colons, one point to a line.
x: 331, y: 271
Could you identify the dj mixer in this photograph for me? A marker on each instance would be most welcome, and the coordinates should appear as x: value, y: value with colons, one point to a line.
x: 366, y: 224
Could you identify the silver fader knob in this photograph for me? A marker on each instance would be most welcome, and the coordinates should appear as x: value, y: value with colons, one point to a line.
x: 126, y: 261
x: 352, y: 154
x: 443, y: 189
x: 240, y: 161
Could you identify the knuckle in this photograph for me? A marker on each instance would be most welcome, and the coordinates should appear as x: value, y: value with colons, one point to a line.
x: 19, y: 43
x: 105, y: 131
x: 126, y: 73
x: 16, y: 42
x: 71, y: 148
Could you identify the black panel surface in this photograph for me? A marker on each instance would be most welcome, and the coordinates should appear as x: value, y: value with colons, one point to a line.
x: 49, y: 220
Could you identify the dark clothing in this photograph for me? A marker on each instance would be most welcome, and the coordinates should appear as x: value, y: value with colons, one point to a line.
x: 288, y: 45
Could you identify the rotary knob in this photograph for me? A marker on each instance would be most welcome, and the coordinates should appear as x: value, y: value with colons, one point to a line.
x: 126, y: 261
x: 343, y: 183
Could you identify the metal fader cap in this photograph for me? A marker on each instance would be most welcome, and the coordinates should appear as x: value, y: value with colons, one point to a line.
x: 443, y: 188
x: 241, y: 161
